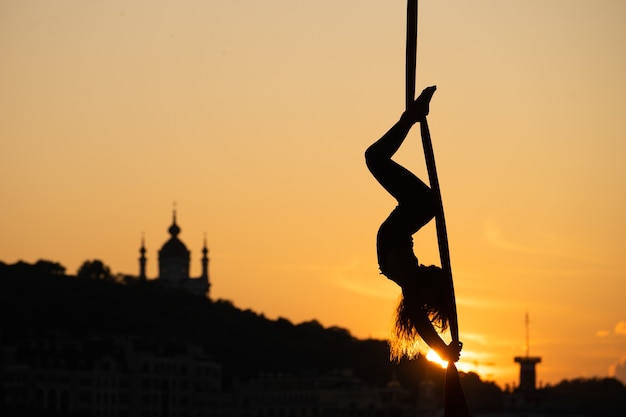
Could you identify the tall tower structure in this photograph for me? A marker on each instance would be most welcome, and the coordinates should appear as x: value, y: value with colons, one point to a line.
x: 205, y: 261
x: 142, y: 261
x: 527, y: 363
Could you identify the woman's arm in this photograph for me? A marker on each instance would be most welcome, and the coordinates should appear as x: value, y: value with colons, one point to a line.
x: 427, y: 332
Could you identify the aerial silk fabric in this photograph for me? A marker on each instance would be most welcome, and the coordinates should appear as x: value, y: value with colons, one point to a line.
x: 454, y: 398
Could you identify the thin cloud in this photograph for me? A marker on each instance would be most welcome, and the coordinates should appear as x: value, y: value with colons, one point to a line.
x: 475, y: 337
x: 497, y: 304
x: 542, y: 243
x: 374, y: 291
x: 493, y: 235
x: 620, y: 328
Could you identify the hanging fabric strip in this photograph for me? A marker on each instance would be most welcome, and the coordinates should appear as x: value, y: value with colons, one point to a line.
x: 442, y: 235
x: 455, y: 404
x: 411, y: 50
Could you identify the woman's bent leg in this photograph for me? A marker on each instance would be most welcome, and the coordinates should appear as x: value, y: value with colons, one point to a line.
x: 401, y: 183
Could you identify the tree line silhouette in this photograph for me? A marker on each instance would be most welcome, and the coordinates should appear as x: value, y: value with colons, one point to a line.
x: 41, y: 300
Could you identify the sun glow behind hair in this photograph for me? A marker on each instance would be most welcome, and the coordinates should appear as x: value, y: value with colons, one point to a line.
x: 434, y: 357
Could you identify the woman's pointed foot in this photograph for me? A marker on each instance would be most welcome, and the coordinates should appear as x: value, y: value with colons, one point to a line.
x: 422, y: 103
x: 420, y: 108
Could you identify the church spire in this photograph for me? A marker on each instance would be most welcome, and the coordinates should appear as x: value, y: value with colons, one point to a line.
x: 142, y: 260
x: 205, y: 265
x: 174, y: 229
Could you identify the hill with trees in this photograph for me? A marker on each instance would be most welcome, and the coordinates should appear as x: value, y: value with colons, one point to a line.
x: 40, y: 300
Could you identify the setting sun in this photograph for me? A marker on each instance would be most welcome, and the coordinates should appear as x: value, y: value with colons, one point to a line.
x: 434, y: 357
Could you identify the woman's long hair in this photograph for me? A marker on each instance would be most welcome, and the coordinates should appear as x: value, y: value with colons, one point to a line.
x: 429, y: 293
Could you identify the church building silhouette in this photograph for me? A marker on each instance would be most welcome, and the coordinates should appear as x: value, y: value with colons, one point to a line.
x: 174, y: 259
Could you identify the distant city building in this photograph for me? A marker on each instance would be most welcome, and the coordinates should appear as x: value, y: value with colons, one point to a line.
x: 526, y: 397
x: 117, y: 377
x: 337, y: 393
x: 108, y: 377
x: 174, y: 261
x: 527, y: 372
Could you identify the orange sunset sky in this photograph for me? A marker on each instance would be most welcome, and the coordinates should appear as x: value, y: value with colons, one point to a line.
x: 253, y: 117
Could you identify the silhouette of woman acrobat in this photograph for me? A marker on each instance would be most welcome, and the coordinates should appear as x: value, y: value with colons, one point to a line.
x: 425, y: 307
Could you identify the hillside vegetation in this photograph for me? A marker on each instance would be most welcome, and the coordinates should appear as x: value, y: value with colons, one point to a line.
x: 41, y: 301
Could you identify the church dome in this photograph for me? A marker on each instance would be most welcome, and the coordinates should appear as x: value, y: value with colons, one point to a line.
x: 174, y: 247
